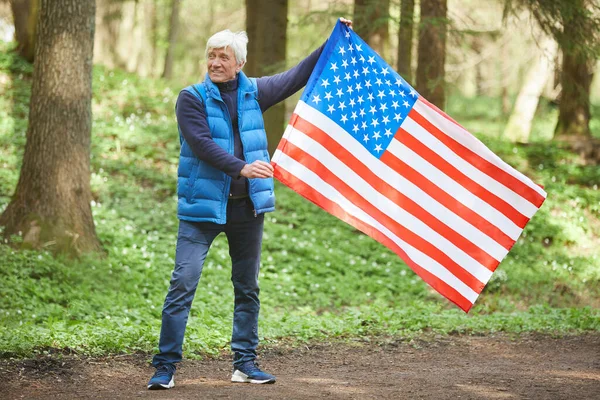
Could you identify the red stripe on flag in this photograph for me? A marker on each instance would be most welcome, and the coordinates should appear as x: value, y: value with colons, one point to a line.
x: 432, y: 157
x: 394, y: 195
x: 447, y: 200
x: 476, y: 160
x: 400, y: 231
x: 317, y: 198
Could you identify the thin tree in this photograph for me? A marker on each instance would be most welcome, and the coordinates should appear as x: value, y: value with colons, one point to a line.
x: 51, y: 204
x: 173, y: 30
x: 266, y: 25
x: 432, y: 51
x: 25, y: 17
x: 109, y: 14
x: 405, y: 39
x: 151, y: 9
x: 540, y: 71
x: 371, y: 22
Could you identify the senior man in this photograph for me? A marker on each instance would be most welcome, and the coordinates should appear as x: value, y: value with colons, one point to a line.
x: 225, y: 184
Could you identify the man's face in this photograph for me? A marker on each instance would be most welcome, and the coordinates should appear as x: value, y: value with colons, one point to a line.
x: 222, y: 66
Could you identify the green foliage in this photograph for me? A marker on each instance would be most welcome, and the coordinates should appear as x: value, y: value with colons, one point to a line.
x: 574, y: 24
x: 320, y: 278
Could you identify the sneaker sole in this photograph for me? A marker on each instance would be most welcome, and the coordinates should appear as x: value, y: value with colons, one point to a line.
x: 160, y: 386
x: 240, y: 377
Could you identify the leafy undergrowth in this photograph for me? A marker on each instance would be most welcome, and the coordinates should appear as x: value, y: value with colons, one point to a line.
x: 320, y: 278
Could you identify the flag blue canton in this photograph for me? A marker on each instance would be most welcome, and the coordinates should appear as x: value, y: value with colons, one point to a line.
x: 354, y: 87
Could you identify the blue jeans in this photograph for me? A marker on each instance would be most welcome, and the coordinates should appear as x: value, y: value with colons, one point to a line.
x: 244, y: 233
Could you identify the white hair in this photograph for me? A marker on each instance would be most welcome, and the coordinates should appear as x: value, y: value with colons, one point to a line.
x: 238, y: 42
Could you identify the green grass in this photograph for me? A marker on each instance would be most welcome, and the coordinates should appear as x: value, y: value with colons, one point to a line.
x: 320, y: 278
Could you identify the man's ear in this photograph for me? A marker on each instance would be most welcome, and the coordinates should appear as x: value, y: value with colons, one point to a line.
x: 240, y: 66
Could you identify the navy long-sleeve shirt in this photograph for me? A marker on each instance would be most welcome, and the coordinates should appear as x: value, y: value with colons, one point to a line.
x: 192, y: 120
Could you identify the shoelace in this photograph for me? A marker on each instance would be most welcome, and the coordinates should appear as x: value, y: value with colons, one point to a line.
x: 164, y: 370
x: 251, y: 366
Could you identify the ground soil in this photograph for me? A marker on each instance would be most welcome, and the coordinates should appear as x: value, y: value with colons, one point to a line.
x: 455, y: 367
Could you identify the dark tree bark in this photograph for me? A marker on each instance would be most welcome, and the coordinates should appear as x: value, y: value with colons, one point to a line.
x: 25, y: 14
x: 405, y: 39
x: 173, y: 30
x: 574, y: 115
x: 371, y: 22
x: 51, y: 204
x: 432, y: 52
x: 266, y: 25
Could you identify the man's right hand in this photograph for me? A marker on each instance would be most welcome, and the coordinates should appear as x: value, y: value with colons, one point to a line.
x: 258, y: 169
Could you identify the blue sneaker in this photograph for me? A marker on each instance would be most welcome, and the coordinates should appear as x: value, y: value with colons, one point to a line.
x: 250, y: 373
x: 163, y: 378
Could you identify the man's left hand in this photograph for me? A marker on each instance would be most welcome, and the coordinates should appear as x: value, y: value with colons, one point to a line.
x: 346, y: 22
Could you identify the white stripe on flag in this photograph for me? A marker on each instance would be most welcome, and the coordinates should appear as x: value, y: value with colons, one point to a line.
x: 401, y: 184
x: 454, y: 189
x: 515, y: 200
x: 393, y: 210
x: 466, y: 139
x: 424, y: 261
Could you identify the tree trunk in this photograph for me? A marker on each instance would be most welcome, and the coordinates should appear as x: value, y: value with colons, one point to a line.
x: 266, y: 25
x: 25, y: 14
x: 519, y: 123
x: 154, y: 25
x: 371, y: 22
x: 574, y: 109
x: 127, y: 43
x: 108, y: 31
x: 504, y: 63
x: 51, y: 204
x: 252, y: 29
x: 477, y: 48
x: 405, y: 39
x: 173, y: 29
x: 432, y: 52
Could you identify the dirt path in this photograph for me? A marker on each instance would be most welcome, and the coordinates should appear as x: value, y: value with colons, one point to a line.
x: 492, y: 367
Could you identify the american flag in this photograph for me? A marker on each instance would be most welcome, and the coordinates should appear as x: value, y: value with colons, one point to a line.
x: 363, y: 145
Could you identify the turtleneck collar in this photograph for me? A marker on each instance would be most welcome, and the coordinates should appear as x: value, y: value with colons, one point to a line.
x: 228, y: 86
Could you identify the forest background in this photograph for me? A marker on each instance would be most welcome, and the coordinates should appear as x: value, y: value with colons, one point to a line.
x: 320, y: 278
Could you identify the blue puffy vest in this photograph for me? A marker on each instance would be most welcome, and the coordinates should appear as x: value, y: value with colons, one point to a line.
x: 203, y: 190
